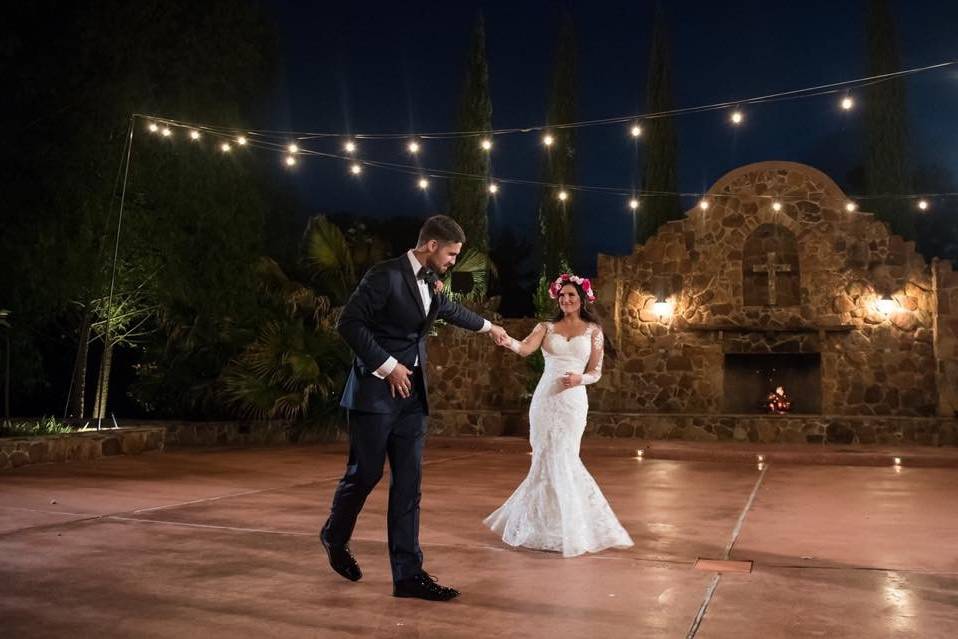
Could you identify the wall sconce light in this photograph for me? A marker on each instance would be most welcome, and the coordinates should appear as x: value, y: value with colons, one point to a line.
x: 662, y: 308
x: 886, y: 305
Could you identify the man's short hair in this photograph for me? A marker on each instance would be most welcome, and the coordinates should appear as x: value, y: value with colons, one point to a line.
x: 443, y: 229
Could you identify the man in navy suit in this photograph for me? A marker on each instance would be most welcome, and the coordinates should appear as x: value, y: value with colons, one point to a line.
x: 385, y: 322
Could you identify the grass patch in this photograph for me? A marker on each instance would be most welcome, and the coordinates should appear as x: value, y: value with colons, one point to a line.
x: 43, y: 426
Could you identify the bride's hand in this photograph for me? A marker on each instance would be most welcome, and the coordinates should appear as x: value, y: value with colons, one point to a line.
x: 571, y: 379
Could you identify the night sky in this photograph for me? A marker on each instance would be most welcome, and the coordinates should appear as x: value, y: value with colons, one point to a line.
x: 396, y: 67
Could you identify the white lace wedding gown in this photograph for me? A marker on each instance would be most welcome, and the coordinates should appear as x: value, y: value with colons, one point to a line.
x: 558, y: 506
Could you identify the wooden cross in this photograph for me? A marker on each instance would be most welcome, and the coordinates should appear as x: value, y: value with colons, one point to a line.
x: 772, y: 269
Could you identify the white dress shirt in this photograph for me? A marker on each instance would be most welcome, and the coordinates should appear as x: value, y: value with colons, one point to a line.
x: 388, y: 366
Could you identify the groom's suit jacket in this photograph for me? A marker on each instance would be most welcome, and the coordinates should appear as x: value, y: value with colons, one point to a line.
x: 385, y: 317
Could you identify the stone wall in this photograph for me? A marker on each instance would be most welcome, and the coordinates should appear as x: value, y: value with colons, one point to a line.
x: 946, y: 336
x: 79, y: 446
x: 844, y: 260
x: 830, y: 265
x: 237, y: 433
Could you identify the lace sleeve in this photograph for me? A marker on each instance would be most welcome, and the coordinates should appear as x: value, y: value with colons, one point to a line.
x: 531, y: 343
x: 593, y: 370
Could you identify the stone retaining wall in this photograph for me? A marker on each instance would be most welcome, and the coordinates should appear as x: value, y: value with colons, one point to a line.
x: 80, y: 446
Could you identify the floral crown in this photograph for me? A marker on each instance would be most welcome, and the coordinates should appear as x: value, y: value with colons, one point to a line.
x: 567, y: 278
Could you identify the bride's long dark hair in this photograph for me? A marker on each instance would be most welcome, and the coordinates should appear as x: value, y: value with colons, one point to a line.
x: 587, y: 313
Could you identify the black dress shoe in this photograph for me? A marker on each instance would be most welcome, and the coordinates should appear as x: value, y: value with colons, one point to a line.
x: 423, y: 586
x: 341, y: 559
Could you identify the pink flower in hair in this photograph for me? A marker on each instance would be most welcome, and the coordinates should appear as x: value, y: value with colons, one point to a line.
x: 565, y: 278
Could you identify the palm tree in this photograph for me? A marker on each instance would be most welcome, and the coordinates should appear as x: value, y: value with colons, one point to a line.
x: 297, y: 363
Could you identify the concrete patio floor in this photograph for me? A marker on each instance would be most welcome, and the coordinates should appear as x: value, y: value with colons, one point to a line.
x: 222, y: 543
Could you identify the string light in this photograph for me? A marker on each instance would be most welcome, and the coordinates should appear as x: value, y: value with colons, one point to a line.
x: 423, y: 183
x: 844, y: 86
x: 290, y: 160
x: 163, y: 126
x: 194, y: 133
x: 847, y: 103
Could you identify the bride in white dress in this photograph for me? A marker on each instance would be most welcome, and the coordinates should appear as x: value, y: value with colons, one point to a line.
x: 558, y: 506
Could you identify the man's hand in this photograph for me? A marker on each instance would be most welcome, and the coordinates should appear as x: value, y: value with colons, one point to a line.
x: 499, y: 335
x: 400, y: 381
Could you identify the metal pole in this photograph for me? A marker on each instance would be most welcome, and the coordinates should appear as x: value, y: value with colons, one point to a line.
x: 116, y: 253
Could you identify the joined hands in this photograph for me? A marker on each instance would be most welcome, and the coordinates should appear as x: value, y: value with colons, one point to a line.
x: 499, y: 336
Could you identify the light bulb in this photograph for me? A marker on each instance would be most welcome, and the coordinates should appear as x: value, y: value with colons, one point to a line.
x: 225, y: 147
x: 636, y: 130
x: 241, y: 140
x: 356, y: 169
x: 194, y: 135
x: 886, y: 305
x: 923, y: 205
x: 486, y: 145
x: 290, y: 160
x: 153, y: 127
x: 563, y: 196
x: 704, y: 205
x: 423, y: 183
x: 548, y: 139
x: 166, y: 132
x: 633, y: 204
x: 737, y: 117
x: 662, y: 308
x: 292, y: 148
x: 350, y: 147
x: 776, y: 206
x: 847, y: 103
x: 850, y: 207
x: 413, y: 147
x: 493, y: 188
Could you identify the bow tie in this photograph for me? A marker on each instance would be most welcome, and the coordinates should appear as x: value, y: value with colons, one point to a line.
x: 427, y: 275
